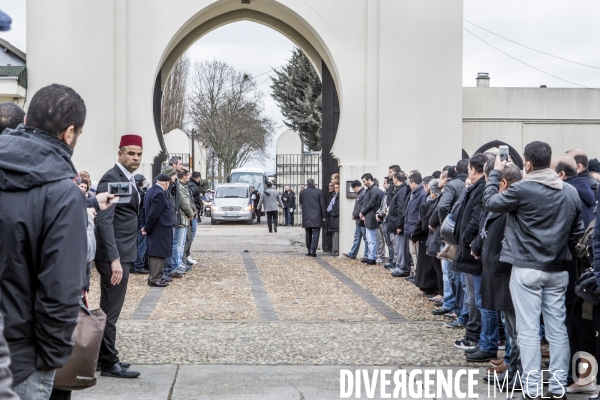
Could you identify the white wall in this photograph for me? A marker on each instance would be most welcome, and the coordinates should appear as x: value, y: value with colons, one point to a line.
x: 289, y: 143
x: 396, y: 63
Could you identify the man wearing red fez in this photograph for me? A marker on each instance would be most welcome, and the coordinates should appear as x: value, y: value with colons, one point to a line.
x: 116, y: 251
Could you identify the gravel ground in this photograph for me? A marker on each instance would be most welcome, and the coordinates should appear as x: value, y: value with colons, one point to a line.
x: 137, y: 288
x: 399, y: 294
x: 316, y: 343
x: 217, y: 289
x: 301, y: 290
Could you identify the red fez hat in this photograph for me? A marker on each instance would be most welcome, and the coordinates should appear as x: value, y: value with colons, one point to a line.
x: 131, y: 140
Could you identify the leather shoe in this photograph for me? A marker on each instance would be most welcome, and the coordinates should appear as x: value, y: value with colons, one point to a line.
x: 143, y: 271
x: 160, y: 283
x: 166, y: 278
x: 388, y: 265
x: 371, y: 262
x: 313, y: 254
x: 498, y: 368
x: 440, y: 311
x: 123, y: 365
x: 175, y: 275
x: 117, y: 371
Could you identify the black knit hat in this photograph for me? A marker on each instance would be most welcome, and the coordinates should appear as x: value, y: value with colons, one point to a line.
x: 594, y: 165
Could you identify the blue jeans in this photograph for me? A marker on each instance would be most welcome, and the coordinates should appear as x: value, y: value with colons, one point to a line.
x: 360, y: 232
x: 372, y: 244
x: 287, y: 216
x: 189, y: 241
x: 174, y: 262
x: 536, y: 292
x: 449, y: 296
x: 461, y: 299
x: 141, y: 251
x: 488, y: 338
x: 37, y: 387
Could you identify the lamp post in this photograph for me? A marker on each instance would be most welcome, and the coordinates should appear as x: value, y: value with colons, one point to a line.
x: 193, y: 148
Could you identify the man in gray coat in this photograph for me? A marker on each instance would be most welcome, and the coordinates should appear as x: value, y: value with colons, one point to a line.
x: 313, y: 215
x: 272, y: 202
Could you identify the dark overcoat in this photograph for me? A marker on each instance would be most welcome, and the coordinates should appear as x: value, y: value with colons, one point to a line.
x: 313, y: 209
x: 495, y: 278
x: 333, y: 217
x: 467, y: 229
x: 159, y: 222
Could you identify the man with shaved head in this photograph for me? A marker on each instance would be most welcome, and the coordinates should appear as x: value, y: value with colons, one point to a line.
x: 582, y: 168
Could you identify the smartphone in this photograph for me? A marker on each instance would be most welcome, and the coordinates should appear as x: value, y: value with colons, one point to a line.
x: 121, y: 189
x: 503, y: 153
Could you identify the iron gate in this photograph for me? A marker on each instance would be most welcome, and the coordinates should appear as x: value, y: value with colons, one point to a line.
x: 293, y: 170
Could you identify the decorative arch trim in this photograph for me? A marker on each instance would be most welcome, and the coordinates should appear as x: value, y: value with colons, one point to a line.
x: 514, y: 154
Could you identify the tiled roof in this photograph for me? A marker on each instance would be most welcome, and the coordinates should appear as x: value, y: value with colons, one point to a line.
x: 20, y: 72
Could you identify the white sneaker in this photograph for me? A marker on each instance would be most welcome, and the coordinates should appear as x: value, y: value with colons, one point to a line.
x: 589, y: 388
x: 379, y: 261
x: 192, y: 261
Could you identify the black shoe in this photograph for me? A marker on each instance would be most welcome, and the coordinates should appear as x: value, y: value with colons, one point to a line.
x: 410, y: 278
x: 270, y: 231
x: 123, y: 364
x: 308, y: 254
x: 388, y: 265
x: 275, y: 229
x: 371, y: 262
x: 399, y: 274
x: 119, y: 371
x: 439, y: 311
x: 472, y: 351
x: 166, y: 278
x: 364, y: 261
x: 313, y: 254
x: 481, y: 356
x: 160, y: 283
x: 143, y: 271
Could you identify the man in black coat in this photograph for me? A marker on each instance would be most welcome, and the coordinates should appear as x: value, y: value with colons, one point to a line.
x: 466, y: 230
x: 396, y: 223
x: 194, y: 188
x: 368, y: 214
x: 255, y: 201
x: 116, y: 251
x: 582, y: 168
x: 158, y: 229
x: 313, y: 215
x: 43, y: 238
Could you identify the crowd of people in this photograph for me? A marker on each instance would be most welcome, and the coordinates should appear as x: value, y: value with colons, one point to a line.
x: 497, y: 250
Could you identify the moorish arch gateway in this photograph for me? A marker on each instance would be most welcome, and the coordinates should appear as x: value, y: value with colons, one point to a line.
x: 391, y: 71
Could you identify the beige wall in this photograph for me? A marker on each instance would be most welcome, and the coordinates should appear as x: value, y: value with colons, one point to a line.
x: 566, y: 118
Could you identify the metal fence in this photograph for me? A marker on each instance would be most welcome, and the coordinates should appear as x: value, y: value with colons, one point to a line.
x: 293, y: 170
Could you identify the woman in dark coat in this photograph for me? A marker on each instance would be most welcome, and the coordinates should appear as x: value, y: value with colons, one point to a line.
x: 333, y: 220
x: 425, y: 275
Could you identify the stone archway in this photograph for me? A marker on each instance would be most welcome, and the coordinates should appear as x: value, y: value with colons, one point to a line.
x: 514, y: 154
x: 183, y: 40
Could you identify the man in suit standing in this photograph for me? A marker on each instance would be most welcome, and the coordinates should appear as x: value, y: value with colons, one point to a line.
x: 116, y: 251
x: 157, y: 228
x: 313, y: 215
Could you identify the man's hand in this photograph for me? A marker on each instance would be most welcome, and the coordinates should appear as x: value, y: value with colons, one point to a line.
x: 117, y: 272
x: 361, y: 215
x: 144, y: 231
x: 399, y: 231
x: 431, y: 228
x: 291, y: 210
x: 92, y: 212
x: 477, y: 258
x: 106, y: 200
x: 499, y: 164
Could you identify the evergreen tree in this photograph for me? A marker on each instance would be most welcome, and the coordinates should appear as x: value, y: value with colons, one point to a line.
x: 297, y: 90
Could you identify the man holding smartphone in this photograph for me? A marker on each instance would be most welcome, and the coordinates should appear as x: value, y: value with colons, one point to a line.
x: 116, y: 251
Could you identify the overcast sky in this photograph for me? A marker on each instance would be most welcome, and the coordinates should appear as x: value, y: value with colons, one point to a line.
x: 568, y: 29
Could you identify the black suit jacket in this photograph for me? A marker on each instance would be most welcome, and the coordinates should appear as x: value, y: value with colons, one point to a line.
x: 116, y: 233
x: 158, y: 223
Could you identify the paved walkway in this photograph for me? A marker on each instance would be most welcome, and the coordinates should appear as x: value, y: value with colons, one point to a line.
x: 256, y: 319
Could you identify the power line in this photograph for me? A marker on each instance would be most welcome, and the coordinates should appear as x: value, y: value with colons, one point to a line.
x: 531, y: 48
x: 530, y: 66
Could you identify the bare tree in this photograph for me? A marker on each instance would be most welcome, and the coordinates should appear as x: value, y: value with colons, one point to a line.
x: 227, y: 110
x: 174, y: 104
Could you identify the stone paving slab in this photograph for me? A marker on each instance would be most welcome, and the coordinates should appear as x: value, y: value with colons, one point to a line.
x: 290, y: 343
x: 154, y: 382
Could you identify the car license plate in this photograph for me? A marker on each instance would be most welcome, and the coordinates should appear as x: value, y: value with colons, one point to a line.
x: 231, y: 214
